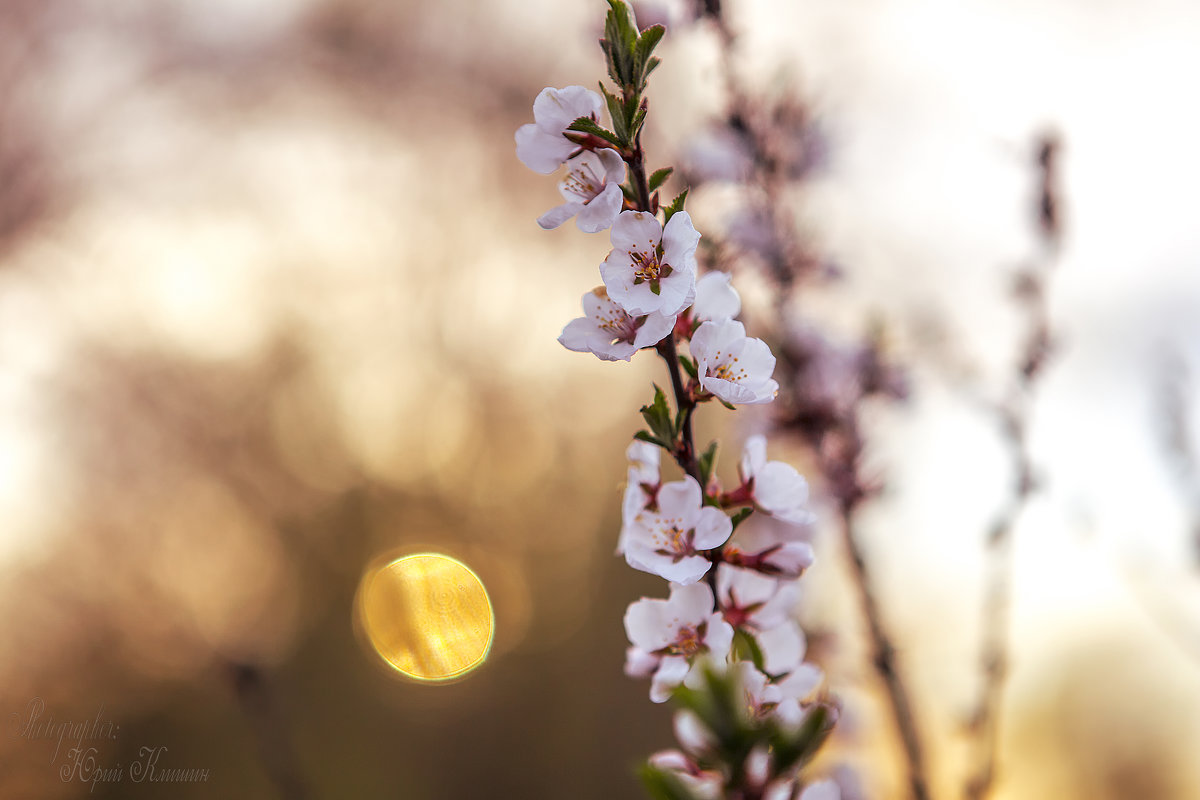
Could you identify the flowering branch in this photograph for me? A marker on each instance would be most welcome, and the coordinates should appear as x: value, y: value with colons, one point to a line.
x: 723, y: 642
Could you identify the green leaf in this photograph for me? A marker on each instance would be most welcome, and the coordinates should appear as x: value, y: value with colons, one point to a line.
x: 728, y: 404
x: 621, y: 37
x: 589, y: 125
x: 796, y: 749
x: 707, y: 461
x: 629, y: 192
x: 659, y: 177
x: 675, y: 207
x: 646, y: 437
x: 650, y: 65
x: 646, y: 43
x: 746, y: 646
x: 663, y: 785
x: 690, y: 367
x: 658, y: 417
x: 635, y: 123
x: 616, y: 112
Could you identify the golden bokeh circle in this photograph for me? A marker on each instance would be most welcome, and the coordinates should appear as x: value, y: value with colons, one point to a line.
x: 427, y: 615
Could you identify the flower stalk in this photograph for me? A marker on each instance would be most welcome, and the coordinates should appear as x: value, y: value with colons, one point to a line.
x: 726, y: 630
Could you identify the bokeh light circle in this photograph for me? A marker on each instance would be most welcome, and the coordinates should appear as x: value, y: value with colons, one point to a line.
x: 428, y: 616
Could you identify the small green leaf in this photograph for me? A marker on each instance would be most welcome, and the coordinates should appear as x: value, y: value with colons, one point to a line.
x: 707, y: 461
x: 663, y: 785
x: 658, y: 417
x: 659, y: 177
x: 746, y: 646
x: 616, y: 111
x: 675, y: 207
x: 629, y: 192
x: 635, y: 124
x: 645, y: 436
x: 728, y: 404
x: 621, y: 37
x: 795, y: 750
x: 690, y: 367
x: 646, y: 43
x: 650, y: 65
x: 589, y: 126
x: 655, y: 287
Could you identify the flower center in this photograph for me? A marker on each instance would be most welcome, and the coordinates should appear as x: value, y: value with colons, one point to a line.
x: 688, y: 641
x: 583, y: 182
x: 613, y: 319
x: 676, y: 542
x: 646, y: 267
x: 728, y: 370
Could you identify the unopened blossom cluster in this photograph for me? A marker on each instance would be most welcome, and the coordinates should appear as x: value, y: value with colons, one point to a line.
x: 730, y: 591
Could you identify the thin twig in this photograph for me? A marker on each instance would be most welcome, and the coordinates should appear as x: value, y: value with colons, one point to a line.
x: 883, y: 657
x: 250, y: 686
x: 1014, y: 419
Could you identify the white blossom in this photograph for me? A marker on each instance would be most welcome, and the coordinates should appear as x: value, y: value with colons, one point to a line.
x: 592, y: 190
x: 541, y: 145
x: 776, y: 488
x: 716, y: 299
x: 732, y: 366
x: 610, y: 333
x: 640, y: 277
x: 642, y: 482
x: 751, y: 599
x: 669, y: 539
x: 678, y: 629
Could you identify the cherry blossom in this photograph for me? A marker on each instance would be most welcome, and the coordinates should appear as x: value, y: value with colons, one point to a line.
x: 669, y: 540
x: 750, y: 599
x: 541, y: 145
x: 775, y: 487
x: 610, y: 333
x: 641, y: 485
x: 716, y: 299
x: 651, y: 268
x: 678, y: 630
x: 592, y: 190
x: 732, y: 366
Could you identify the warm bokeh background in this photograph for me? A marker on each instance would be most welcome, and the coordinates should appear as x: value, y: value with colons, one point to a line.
x: 273, y: 305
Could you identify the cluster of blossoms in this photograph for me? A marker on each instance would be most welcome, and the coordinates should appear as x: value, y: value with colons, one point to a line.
x: 728, y: 618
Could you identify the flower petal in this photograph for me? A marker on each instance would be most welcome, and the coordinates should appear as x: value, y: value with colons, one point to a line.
x: 647, y: 624
x: 679, y: 241
x: 555, y: 109
x: 754, y: 456
x: 613, y: 164
x: 713, y: 528
x: 540, y: 151
x: 598, y: 214
x: 559, y: 214
x: 670, y: 674
x: 716, y: 299
x: 782, y: 647
x: 656, y: 328
x: 636, y: 232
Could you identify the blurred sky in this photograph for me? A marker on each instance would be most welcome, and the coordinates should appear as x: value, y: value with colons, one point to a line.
x: 273, y: 304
